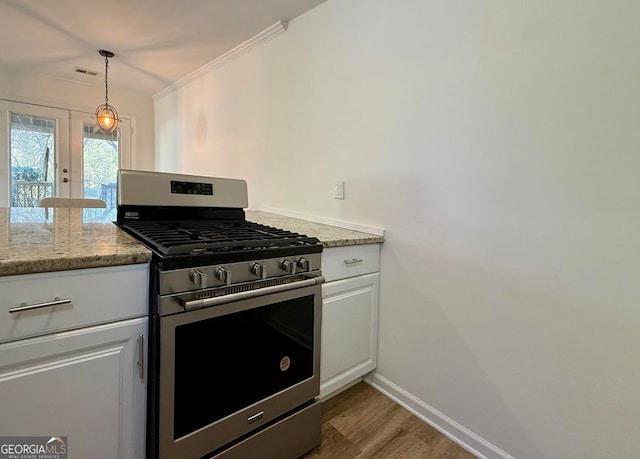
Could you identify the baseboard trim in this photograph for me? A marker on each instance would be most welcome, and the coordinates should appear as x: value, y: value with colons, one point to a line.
x: 439, y: 421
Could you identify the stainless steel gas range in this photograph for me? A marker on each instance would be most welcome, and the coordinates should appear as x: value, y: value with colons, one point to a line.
x: 234, y: 330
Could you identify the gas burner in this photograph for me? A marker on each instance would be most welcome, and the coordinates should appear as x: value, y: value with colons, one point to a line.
x: 199, y: 237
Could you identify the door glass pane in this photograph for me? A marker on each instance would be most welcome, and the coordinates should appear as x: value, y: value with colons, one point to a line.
x: 32, y: 159
x: 100, y: 159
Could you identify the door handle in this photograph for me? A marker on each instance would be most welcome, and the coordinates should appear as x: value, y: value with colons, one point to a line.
x: 65, y: 179
x: 203, y: 303
x: 141, y: 356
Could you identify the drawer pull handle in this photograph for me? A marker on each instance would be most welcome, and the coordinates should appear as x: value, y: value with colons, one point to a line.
x: 47, y: 304
x: 353, y: 261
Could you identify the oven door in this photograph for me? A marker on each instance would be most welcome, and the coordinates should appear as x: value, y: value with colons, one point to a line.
x: 229, y: 369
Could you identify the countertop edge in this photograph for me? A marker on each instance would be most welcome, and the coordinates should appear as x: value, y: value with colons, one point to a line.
x: 351, y: 242
x: 134, y: 252
x: 328, y: 235
x: 35, y: 266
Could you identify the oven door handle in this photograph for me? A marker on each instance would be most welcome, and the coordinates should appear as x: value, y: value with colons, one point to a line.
x: 206, y: 302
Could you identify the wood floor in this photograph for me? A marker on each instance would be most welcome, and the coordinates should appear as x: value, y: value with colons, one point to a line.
x: 362, y: 423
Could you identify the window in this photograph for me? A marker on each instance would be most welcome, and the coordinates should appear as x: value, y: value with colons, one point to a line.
x: 100, y: 160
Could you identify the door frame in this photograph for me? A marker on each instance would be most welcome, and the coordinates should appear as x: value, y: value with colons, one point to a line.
x: 76, y: 166
x: 61, y: 150
x: 68, y: 147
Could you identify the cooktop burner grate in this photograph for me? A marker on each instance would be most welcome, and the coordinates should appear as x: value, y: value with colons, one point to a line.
x: 187, y: 237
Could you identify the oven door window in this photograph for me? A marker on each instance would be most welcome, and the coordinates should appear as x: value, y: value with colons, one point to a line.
x: 229, y: 362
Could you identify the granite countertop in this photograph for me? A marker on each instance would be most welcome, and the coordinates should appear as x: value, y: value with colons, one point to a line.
x: 330, y: 236
x: 33, y: 241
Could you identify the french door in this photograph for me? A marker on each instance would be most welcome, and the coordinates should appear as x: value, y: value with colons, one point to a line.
x: 47, y: 151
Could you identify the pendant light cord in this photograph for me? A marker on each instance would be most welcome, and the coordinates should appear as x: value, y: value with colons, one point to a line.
x: 106, y: 81
x: 106, y: 116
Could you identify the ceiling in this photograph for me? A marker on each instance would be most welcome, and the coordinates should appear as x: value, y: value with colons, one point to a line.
x: 156, y: 42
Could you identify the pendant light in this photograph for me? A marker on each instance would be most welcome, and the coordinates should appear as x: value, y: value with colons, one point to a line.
x: 106, y: 115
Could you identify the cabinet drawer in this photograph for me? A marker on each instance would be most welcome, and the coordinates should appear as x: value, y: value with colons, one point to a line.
x: 350, y: 261
x: 98, y: 295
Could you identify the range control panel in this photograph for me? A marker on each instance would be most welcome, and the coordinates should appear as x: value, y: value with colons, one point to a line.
x: 191, y: 188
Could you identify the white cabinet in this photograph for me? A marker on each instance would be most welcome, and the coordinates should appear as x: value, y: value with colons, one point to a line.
x: 87, y: 383
x: 82, y: 384
x: 98, y: 295
x: 349, y: 317
x: 350, y: 261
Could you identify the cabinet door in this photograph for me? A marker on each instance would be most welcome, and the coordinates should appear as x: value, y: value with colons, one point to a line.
x: 83, y: 384
x: 349, y: 331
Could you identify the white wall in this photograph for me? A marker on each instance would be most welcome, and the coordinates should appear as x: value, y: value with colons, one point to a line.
x: 27, y: 87
x: 498, y: 144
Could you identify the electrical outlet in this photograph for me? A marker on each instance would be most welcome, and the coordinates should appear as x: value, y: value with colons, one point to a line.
x: 338, y: 189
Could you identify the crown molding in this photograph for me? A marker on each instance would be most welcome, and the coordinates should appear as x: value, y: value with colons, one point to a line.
x: 260, y: 39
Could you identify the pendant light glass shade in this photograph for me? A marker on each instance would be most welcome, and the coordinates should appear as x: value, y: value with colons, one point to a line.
x: 106, y: 115
x: 106, y: 118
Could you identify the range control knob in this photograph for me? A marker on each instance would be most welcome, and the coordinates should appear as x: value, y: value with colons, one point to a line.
x: 304, y: 264
x: 199, y: 278
x: 288, y: 266
x: 259, y: 270
x: 224, y: 275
